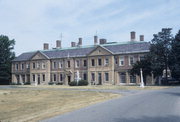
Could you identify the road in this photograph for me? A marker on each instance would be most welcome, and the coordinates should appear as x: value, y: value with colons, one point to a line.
x: 147, y: 106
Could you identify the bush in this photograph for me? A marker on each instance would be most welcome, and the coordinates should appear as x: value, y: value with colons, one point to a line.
x: 27, y: 83
x: 73, y: 83
x: 80, y: 83
x: 19, y: 84
x: 51, y: 83
x: 59, y: 83
x: 13, y: 83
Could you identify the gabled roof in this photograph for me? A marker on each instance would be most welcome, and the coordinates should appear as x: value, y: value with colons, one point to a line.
x: 131, y: 47
x: 114, y: 48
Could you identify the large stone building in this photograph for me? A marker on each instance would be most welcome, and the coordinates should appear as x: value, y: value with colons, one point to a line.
x: 100, y: 63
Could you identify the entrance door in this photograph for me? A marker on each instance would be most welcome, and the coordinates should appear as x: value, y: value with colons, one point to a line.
x: 99, y: 79
x: 122, y: 77
x: 39, y: 81
x: 69, y: 79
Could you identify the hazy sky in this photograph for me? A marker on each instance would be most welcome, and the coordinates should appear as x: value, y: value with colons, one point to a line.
x: 33, y: 22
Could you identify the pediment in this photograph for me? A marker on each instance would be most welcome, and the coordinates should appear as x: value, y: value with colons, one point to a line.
x: 39, y: 56
x: 99, y: 51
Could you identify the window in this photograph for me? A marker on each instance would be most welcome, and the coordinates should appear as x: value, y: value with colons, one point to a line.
x: 54, y: 65
x: 106, y: 61
x: 43, y: 65
x: 61, y: 77
x: 17, y: 67
x: 92, y: 77
x: 85, y: 63
x: 121, y: 61
x: 27, y: 66
x: 123, y: 77
x: 34, y: 65
x: 60, y: 64
x: 141, y: 58
x: 106, y: 76
x: 34, y: 77
x: 43, y: 77
x: 85, y: 76
x: 99, y: 62
x: 92, y: 62
x: 22, y: 66
x: 132, y: 79
x: 131, y: 60
x: 116, y: 60
x: 68, y: 64
x: 38, y: 65
x: 77, y: 63
x: 54, y: 76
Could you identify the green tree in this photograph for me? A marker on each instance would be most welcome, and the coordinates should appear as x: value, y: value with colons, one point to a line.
x: 145, y: 64
x: 160, y: 50
x: 175, y: 57
x: 6, y: 56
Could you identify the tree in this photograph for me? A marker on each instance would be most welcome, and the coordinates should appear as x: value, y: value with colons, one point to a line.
x: 145, y: 64
x: 6, y: 56
x: 160, y: 51
x: 175, y: 57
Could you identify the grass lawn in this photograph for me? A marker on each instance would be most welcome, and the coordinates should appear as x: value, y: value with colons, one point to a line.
x: 24, y: 104
x: 104, y: 87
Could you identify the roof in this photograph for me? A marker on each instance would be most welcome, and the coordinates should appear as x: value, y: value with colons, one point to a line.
x: 115, y: 48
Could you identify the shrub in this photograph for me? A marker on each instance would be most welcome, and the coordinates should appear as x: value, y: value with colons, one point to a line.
x: 19, y: 84
x: 27, y: 83
x: 73, y: 83
x: 51, y: 83
x: 59, y: 83
x: 13, y: 83
x: 82, y: 83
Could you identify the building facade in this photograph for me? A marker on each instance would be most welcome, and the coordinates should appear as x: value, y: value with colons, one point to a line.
x: 104, y: 63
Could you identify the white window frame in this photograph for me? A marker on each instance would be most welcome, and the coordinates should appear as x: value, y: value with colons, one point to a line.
x: 130, y: 60
x: 16, y: 66
x: 43, y: 65
x: 106, y: 61
x: 22, y: 66
x: 60, y: 64
x: 33, y: 65
x: 105, y: 76
x: 77, y: 63
x: 121, y: 59
x: 38, y: 65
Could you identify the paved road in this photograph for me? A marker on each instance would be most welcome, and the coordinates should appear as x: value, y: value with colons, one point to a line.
x: 149, y: 106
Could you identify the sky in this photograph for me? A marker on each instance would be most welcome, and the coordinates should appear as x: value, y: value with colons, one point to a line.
x: 34, y: 22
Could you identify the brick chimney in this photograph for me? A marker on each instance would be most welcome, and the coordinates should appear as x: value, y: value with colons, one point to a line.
x: 141, y: 37
x: 133, y: 36
x: 102, y: 41
x: 95, y: 40
x: 58, y: 44
x: 73, y: 44
x: 80, y: 42
x: 46, y: 46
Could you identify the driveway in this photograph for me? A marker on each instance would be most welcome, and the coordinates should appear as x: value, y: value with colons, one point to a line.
x: 148, y: 106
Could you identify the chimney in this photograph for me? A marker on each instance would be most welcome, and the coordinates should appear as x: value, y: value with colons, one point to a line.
x: 73, y: 44
x: 95, y: 40
x: 80, y: 42
x: 46, y: 46
x: 102, y: 41
x: 141, y: 37
x: 58, y: 44
x: 133, y: 36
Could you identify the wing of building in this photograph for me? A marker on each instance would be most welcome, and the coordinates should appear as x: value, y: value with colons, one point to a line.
x: 106, y: 63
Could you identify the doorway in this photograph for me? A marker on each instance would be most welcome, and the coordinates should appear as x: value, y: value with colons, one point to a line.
x: 69, y: 79
x: 99, y: 79
x: 39, y: 80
